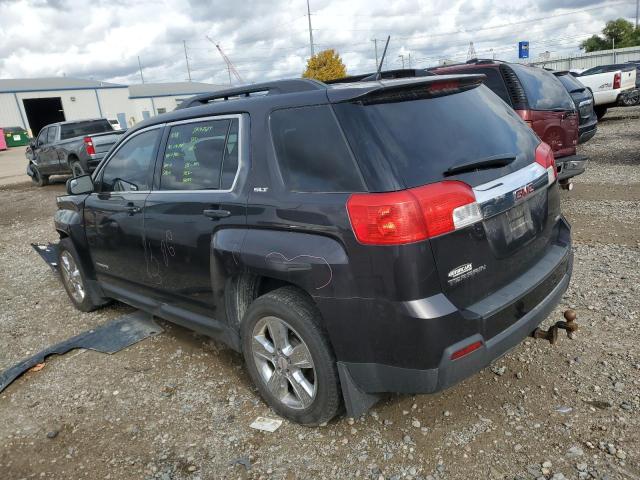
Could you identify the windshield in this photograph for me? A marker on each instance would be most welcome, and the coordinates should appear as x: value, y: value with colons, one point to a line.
x: 83, y: 129
x: 570, y: 83
x: 422, y: 139
x: 544, y: 91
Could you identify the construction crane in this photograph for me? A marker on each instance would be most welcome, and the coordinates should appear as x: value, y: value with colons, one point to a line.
x: 230, y: 67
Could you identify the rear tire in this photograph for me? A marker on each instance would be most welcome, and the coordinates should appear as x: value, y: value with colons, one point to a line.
x: 600, y: 112
x: 37, y: 178
x: 296, y: 373
x: 76, y: 169
x: 74, y: 278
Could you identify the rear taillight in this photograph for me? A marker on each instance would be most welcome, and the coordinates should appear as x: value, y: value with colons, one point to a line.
x: 88, y: 145
x: 412, y: 215
x: 544, y: 156
x: 617, y: 80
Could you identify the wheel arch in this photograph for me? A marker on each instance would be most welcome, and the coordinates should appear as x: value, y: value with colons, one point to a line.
x: 256, y: 262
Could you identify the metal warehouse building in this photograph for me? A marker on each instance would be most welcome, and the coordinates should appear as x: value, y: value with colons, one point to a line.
x: 35, y: 102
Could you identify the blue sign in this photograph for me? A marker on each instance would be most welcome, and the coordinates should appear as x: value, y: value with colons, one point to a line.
x: 523, y: 49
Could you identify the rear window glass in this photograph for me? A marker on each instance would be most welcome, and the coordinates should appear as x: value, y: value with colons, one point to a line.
x: 494, y: 81
x: 82, y: 129
x: 544, y: 91
x: 421, y: 139
x: 570, y: 83
x: 311, y: 151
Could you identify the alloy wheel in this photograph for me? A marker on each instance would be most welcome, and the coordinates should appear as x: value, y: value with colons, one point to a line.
x: 72, y: 276
x: 284, y: 362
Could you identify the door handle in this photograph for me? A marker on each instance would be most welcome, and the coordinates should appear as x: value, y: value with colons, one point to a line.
x: 132, y: 209
x: 215, y: 214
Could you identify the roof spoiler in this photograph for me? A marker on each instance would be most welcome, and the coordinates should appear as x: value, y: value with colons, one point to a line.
x: 386, y: 91
x: 384, y: 75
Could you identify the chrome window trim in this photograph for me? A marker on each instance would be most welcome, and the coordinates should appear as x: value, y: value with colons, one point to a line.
x: 106, y: 161
x: 230, y: 116
x: 498, y: 195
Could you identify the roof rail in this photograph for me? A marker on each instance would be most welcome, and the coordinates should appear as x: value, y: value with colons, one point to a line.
x: 267, y: 88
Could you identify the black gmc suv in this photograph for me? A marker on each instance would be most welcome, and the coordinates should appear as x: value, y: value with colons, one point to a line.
x: 348, y: 239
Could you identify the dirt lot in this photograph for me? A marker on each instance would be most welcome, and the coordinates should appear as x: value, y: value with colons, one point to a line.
x: 179, y: 405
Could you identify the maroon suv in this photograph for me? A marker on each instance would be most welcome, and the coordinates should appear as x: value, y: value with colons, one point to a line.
x: 540, y: 99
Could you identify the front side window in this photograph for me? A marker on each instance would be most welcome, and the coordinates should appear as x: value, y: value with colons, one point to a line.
x: 201, y: 156
x: 129, y: 169
x: 51, y: 134
x: 42, y: 137
x: 311, y: 151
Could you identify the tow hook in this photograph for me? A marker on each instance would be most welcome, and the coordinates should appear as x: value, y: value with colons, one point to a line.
x: 570, y: 325
x: 566, y: 185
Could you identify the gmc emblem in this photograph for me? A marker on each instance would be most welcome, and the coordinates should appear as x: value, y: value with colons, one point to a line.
x: 523, y: 192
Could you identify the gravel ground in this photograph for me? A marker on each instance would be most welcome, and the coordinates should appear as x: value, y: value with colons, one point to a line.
x: 178, y: 406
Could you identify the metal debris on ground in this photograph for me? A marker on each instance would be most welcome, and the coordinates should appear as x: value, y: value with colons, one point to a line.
x: 108, y: 338
x: 564, y: 409
x: 49, y: 254
x: 266, y: 424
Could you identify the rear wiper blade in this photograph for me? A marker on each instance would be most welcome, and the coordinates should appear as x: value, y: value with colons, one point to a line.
x: 488, y: 162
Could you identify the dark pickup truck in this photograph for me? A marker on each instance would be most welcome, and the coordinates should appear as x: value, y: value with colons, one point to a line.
x: 74, y: 147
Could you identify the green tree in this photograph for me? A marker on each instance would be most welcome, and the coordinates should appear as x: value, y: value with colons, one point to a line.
x: 325, y: 65
x: 621, y: 31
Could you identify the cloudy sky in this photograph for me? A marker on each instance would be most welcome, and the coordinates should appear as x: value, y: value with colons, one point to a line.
x: 102, y: 39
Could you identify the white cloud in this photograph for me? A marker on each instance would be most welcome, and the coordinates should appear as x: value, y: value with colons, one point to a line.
x: 266, y: 40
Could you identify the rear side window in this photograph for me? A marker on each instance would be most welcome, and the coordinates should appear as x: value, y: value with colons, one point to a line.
x: 544, y: 91
x: 201, y: 156
x: 311, y: 151
x: 83, y: 129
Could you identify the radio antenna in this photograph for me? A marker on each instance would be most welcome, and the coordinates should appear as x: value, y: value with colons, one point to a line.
x: 384, y: 53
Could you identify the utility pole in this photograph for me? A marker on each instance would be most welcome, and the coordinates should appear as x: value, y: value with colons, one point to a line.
x: 140, y: 66
x: 184, y: 42
x: 637, y: 9
x: 375, y: 46
x: 310, y: 29
x: 409, y: 56
x: 402, y: 58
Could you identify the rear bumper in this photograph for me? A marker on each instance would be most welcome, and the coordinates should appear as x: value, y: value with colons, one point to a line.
x: 586, y: 132
x: 569, y: 167
x: 544, y: 285
x: 93, y: 161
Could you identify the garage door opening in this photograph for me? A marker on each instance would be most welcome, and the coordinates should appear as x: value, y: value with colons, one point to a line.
x: 43, y: 111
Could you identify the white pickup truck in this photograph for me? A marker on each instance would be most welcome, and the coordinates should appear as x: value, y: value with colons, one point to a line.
x: 610, y: 85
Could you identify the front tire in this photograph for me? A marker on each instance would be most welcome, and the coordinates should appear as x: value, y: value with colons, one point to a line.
x: 289, y: 358
x: 74, y: 279
x: 37, y: 178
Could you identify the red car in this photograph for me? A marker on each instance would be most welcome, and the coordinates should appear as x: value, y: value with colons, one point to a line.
x: 540, y: 99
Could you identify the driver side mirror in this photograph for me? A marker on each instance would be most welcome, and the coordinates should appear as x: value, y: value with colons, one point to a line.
x: 80, y: 185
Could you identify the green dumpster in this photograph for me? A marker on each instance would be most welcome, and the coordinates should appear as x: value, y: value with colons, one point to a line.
x: 16, y: 136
